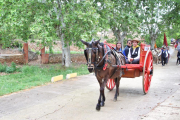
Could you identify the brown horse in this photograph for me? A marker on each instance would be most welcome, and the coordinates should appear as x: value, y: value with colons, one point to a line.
x: 100, y: 59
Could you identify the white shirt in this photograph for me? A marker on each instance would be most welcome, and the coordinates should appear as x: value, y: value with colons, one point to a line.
x: 164, y: 51
x: 136, y: 58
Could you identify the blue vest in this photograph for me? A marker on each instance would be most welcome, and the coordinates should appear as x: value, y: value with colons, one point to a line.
x: 135, y: 54
x: 126, y: 51
x: 163, y: 53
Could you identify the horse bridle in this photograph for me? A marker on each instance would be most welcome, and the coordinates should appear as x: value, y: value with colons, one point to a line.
x: 97, y: 62
x: 90, y: 50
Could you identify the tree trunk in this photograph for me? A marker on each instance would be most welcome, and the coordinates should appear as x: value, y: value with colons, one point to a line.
x: 153, y: 37
x: 152, y: 43
x: 66, y: 58
x: 120, y: 36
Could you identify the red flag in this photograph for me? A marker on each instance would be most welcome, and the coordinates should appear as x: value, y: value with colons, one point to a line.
x: 155, y: 46
x: 165, y: 40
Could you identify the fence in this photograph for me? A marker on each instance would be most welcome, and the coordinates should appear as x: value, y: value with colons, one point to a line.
x: 32, y: 54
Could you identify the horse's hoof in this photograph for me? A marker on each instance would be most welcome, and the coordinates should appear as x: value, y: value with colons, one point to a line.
x: 98, y: 107
x: 102, y: 104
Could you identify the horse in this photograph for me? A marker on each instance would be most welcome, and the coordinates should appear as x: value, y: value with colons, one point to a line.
x: 156, y: 58
x: 100, y: 59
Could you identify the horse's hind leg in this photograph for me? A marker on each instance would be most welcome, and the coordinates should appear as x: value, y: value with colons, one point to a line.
x: 117, y: 88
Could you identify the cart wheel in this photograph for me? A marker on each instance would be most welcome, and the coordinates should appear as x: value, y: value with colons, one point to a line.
x: 147, y: 71
x: 110, y: 84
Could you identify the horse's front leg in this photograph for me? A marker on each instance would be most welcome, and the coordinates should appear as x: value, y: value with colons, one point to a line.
x: 102, y: 90
x: 98, y: 106
x: 117, y: 88
x: 102, y: 98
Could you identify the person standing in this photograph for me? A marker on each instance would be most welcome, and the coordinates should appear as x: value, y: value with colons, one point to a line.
x: 178, y: 57
x: 178, y: 54
x: 134, y: 52
x: 164, y: 55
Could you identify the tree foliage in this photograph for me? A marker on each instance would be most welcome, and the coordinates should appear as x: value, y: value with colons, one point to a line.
x: 120, y: 16
x: 172, y: 18
x: 69, y: 21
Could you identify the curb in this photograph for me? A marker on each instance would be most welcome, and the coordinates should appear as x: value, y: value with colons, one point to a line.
x: 71, y: 75
x: 57, y: 78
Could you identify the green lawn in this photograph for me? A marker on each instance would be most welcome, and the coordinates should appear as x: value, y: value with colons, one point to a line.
x: 30, y: 76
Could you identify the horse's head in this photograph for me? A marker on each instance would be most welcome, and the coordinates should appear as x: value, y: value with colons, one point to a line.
x: 91, y: 53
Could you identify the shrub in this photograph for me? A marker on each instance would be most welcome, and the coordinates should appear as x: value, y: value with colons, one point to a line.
x: 3, y: 67
x: 13, y: 65
x: 16, y: 44
x: 8, y: 69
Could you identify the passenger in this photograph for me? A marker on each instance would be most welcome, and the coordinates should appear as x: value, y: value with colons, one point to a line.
x: 126, y: 50
x: 164, y: 55
x: 134, y: 52
x: 118, y: 47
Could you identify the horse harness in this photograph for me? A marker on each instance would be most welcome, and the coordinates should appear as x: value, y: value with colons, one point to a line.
x: 107, y: 52
x: 97, y: 62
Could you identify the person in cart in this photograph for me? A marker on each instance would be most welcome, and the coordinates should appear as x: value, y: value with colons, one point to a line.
x: 118, y: 47
x: 134, y: 53
x: 164, y: 55
x: 126, y: 49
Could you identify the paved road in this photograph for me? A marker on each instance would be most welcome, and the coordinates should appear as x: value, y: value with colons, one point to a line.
x: 76, y: 99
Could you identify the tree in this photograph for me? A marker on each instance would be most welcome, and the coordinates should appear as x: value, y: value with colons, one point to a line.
x: 42, y: 19
x: 76, y: 19
x: 18, y: 18
x: 172, y: 17
x: 120, y: 16
x: 151, y: 16
x: 6, y: 31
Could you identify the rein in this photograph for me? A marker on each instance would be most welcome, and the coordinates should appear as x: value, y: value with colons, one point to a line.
x: 103, y: 57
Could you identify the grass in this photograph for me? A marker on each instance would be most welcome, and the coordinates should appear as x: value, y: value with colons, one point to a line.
x: 30, y: 76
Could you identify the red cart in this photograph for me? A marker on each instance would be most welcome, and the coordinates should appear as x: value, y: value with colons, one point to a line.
x: 144, y: 68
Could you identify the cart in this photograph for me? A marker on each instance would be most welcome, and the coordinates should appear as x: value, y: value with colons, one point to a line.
x: 144, y: 69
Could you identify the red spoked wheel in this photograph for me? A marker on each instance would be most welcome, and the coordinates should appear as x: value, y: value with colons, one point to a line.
x: 147, y: 71
x: 110, y: 84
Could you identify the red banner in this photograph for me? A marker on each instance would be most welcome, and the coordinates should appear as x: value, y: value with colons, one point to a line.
x: 165, y: 40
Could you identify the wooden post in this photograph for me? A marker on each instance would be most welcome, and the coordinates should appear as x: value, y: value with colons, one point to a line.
x: 44, y: 57
x: 25, y: 49
x: 42, y: 54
